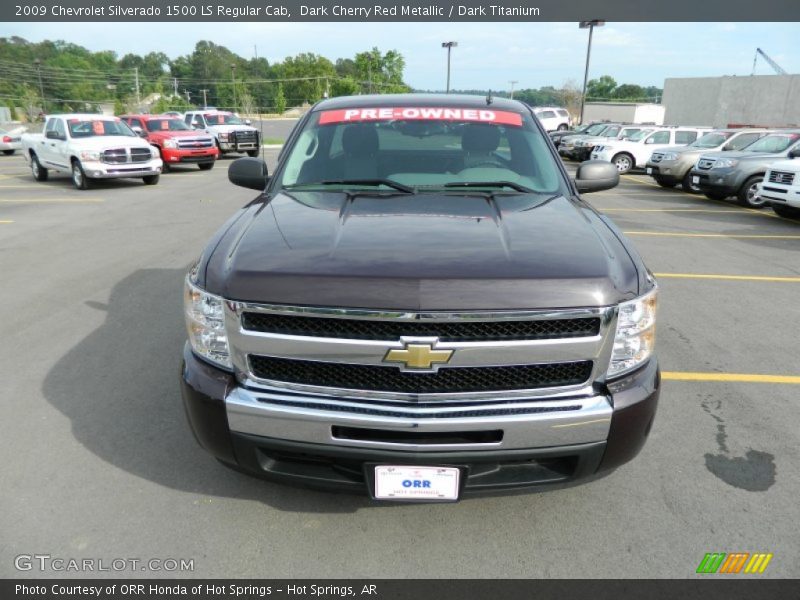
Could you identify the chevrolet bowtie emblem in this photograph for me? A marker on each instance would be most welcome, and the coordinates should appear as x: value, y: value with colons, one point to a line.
x: 418, y: 356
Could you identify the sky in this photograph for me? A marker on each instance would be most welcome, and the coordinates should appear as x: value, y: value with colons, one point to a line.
x: 488, y: 56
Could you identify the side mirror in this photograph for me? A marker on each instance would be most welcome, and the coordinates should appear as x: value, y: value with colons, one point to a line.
x: 54, y: 135
x: 138, y: 130
x: 794, y: 152
x: 250, y: 173
x: 247, y: 121
x: 596, y: 176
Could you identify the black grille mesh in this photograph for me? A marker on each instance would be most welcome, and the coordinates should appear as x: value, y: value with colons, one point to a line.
x: 446, y: 331
x: 445, y: 380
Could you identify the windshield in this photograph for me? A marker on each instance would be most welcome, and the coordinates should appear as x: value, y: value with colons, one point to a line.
x: 82, y: 128
x: 627, y: 132
x: 639, y: 135
x: 776, y: 142
x: 166, y: 125
x: 426, y: 148
x: 595, y: 129
x: 711, y: 140
x: 223, y: 119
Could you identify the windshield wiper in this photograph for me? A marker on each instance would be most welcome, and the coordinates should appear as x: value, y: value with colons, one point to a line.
x: 490, y: 184
x: 368, y: 182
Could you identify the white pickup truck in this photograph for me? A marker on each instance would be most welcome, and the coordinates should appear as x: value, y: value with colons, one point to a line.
x: 90, y: 146
x: 231, y: 132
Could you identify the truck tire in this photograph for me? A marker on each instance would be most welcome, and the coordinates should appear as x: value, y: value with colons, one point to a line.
x: 38, y: 171
x: 562, y: 127
x: 687, y: 184
x: 748, y: 193
x: 206, y: 166
x: 624, y: 162
x: 79, y: 178
x: 663, y: 183
x: 787, y: 212
x: 252, y: 153
x: 150, y: 179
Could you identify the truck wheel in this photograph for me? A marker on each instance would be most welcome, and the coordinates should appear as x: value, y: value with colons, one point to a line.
x: 687, y: 185
x: 252, y: 153
x: 8, y: 152
x: 624, y: 162
x: 715, y: 195
x: 79, y: 178
x: 166, y: 168
x: 562, y: 127
x: 787, y: 212
x: 39, y: 172
x: 150, y: 179
x: 748, y: 193
x: 207, y: 166
x: 663, y: 183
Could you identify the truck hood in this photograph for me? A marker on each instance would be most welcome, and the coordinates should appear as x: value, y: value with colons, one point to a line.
x: 108, y: 141
x: 229, y: 128
x: 742, y: 155
x: 163, y: 135
x: 423, y: 252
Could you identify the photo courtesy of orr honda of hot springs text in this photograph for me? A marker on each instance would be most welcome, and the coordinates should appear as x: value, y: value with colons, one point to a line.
x: 419, y: 306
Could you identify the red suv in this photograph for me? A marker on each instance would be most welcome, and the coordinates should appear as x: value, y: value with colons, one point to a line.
x: 177, y: 142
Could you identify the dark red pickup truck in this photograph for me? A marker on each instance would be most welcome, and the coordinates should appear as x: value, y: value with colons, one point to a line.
x: 177, y: 142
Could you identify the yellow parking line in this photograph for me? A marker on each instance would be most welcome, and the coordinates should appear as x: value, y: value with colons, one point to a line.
x: 714, y: 235
x: 691, y: 210
x: 632, y: 178
x: 15, y: 187
x: 6, y: 222
x: 727, y: 277
x: 730, y: 377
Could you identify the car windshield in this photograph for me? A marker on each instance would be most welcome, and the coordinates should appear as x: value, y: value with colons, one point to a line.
x: 595, y: 129
x: 398, y: 148
x: 628, y: 132
x: 776, y: 142
x: 166, y: 125
x: 223, y: 119
x: 711, y: 139
x: 82, y: 128
x: 640, y: 135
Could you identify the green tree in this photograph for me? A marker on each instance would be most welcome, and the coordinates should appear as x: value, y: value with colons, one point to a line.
x: 280, y: 100
x: 602, y: 88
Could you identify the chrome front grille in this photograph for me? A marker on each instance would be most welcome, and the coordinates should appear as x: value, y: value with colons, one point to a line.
x: 118, y: 156
x: 195, y: 143
x: 346, y: 353
x: 781, y: 177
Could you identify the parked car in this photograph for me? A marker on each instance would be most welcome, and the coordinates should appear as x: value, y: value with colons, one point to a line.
x: 723, y: 174
x: 552, y: 118
x: 558, y: 135
x: 672, y: 166
x: 231, y: 133
x: 371, y: 322
x: 636, y: 150
x: 89, y: 147
x: 781, y: 186
x: 176, y: 141
x: 11, y: 140
x: 580, y: 147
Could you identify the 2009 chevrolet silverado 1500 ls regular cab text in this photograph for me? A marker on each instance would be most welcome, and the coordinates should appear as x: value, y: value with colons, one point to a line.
x: 419, y: 306
x: 88, y: 147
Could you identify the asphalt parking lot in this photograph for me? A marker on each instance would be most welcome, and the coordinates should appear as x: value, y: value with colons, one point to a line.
x: 103, y: 464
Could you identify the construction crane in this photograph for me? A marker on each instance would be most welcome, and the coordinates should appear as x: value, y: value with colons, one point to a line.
x: 778, y: 69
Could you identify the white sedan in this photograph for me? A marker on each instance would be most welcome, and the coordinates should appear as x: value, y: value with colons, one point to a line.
x: 10, y: 141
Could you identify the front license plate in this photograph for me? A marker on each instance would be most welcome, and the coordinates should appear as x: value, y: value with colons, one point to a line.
x: 416, y: 483
x: 649, y: 171
x: 695, y: 179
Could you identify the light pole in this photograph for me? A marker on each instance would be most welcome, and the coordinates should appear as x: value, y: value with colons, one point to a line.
x: 513, y: 82
x: 233, y: 86
x: 38, y: 64
x: 449, y: 46
x: 590, y: 25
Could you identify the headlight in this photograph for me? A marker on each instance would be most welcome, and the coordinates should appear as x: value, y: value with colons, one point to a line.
x: 154, y: 152
x: 170, y: 143
x: 636, y: 334
x: 725, y: 162
x: 90, y: 155
x: 205, y: 322
x: 669, y: 156
x: 223, y: 137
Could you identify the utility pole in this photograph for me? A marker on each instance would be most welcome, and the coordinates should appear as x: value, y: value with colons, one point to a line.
x: 205, y: 101
x: 138, y: 99
x: 175, y: 84
x: 188, y: 101
x: 513, y: 82
x: 38, y: 64
x: 233, y: 85
x: 590, y: 25
x: 449, y: 46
